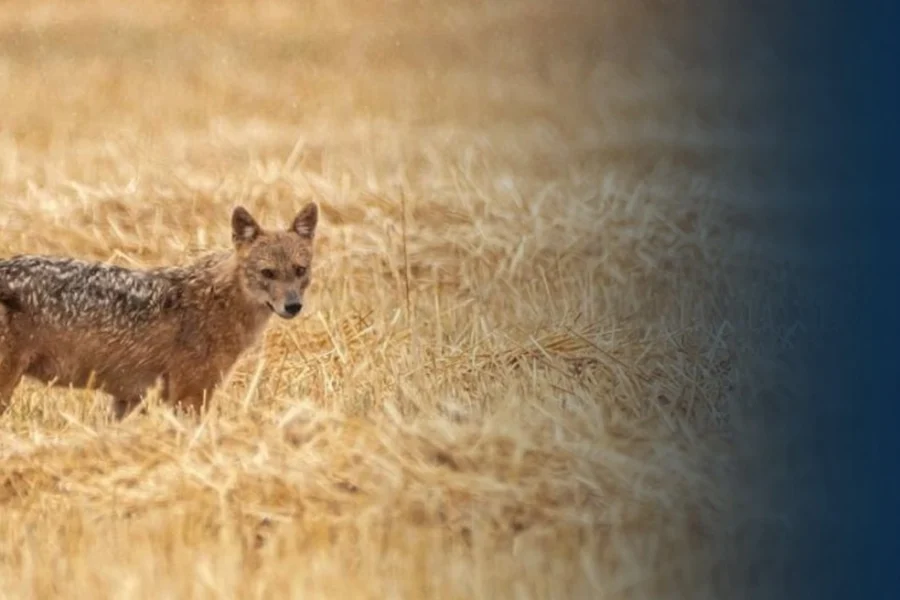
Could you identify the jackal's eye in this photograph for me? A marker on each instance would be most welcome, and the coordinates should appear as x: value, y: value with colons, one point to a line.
x: 268, y: 273
x: 300, y: 270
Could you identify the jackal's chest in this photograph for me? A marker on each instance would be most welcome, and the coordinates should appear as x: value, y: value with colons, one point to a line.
x: 220, y: 344
x: 228, y: 345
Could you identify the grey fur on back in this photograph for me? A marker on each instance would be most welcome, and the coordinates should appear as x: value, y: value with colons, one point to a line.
x: 72, y: 293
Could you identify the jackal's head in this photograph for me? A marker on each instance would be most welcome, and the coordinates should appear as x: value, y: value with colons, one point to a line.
x: 274, y: 266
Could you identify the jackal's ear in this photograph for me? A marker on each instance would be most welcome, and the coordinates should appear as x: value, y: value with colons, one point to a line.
x: 244, y: 227
x: 306, y: 220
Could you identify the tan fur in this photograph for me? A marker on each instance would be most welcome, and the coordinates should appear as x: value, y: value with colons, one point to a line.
x: 74, y: 323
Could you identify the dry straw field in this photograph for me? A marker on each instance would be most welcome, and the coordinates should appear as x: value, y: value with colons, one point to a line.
x: 527, y: 340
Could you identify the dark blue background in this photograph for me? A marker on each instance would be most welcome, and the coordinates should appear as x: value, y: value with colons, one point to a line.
x: 836, y: 108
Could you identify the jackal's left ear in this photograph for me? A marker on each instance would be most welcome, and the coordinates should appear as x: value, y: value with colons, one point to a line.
x: 244, y: 227
x: 306, y: 220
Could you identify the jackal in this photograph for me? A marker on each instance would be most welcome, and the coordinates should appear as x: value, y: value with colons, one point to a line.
x: 69, y: 322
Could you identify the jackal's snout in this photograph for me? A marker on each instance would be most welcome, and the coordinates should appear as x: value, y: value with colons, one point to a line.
x: 292, y: 306
x: 289, y: 308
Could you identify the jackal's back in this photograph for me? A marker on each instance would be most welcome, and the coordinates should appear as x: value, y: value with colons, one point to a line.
x: 74, y: 294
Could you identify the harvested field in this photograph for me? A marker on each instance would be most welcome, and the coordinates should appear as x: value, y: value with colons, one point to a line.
x: 529, y: 337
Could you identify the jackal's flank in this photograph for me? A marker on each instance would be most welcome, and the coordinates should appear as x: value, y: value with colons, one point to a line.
x: 69, y: 322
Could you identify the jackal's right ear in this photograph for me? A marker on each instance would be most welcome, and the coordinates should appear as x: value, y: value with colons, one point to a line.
x: 244, y: 228
x: 305, y: 222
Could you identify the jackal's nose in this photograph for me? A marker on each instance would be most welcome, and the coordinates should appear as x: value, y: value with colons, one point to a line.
x: 293, y: 308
